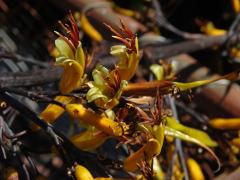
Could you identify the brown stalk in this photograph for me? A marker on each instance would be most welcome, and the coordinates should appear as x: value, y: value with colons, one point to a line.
x: 148, y: 88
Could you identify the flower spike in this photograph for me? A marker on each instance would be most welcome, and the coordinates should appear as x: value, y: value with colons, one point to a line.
x: 128, y: 53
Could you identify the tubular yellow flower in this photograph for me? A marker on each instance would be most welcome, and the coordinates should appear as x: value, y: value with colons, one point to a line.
x: 225, y: 124
x: 104, y: 124
x: 89, y: 139
x: 128, y: 54
x: 148, y: 151
x: 82, y: 173
x: 194, y: 170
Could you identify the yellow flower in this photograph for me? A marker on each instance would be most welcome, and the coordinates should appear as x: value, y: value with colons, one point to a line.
x: 89, y: 139
x: 148, y: 151
x: 82, y: 173
x: 71, y: 57
x: 106, y: 89
x: 104, y: 124
x: 128, y: 53
x: 73, y: 61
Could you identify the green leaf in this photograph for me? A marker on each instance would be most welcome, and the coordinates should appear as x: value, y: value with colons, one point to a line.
x: 185, y: 86
x: 195, y: 133
x: 175, y: 133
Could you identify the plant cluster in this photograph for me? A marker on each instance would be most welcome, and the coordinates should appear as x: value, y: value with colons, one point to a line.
x: 138, y: 115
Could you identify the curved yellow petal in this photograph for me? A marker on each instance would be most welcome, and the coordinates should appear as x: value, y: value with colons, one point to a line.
x: 128, y: 61
x: 80, y: 56
x: 71, y: 77
x: 82, y: 173
x: 63, y: 48
x: 148, y: 151
x: 129, y: 71
x: 89, y: 140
